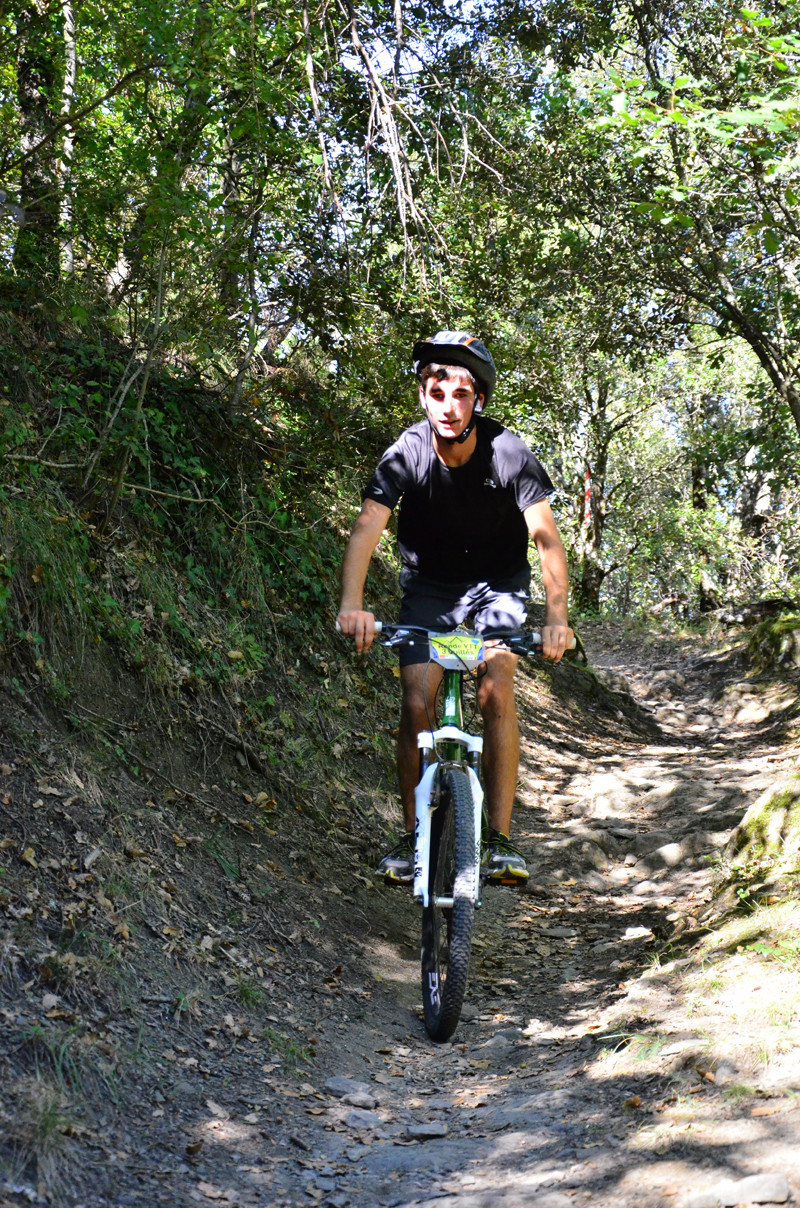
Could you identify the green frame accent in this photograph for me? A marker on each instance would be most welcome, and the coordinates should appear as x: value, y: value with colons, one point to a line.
x: 452, y: 714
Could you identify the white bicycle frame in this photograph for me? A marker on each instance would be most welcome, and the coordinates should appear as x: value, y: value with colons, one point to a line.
x: 424, y: 795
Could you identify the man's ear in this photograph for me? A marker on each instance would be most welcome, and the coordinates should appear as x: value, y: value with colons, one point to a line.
x: 479, y: 404
x: 422, y: 396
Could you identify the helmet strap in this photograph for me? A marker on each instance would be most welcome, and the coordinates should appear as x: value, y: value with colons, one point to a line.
x: 462, y: 436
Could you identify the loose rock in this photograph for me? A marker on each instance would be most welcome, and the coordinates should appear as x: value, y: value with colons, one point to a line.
x: 360, y: 1099
x: 757, y: 1189
x: 359, y: 1118
x: 346, y: 1086
x: 426, y: 1131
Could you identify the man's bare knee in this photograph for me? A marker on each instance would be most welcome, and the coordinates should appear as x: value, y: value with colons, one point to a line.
x: 496, y: 687
x: 419, y: 693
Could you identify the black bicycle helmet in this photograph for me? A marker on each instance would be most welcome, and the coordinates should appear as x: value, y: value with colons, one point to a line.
x: 458, y: 348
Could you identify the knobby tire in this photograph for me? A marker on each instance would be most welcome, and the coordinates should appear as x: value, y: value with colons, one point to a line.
x: 447, y: 933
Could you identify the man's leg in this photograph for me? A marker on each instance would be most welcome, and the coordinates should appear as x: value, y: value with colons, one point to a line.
x: 504, y: 863
x: 420, y: 682
x: 500, y: 736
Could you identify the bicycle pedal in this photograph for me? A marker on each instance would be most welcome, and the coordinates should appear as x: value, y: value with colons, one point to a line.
x: 510, y: 882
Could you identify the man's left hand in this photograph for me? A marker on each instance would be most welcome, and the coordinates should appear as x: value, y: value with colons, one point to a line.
x: 555, y: 640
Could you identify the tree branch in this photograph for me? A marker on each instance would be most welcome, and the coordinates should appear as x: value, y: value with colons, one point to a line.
x: 71, y: 119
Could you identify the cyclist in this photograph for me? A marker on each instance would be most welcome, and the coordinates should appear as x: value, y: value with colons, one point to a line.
x: 471, y: 493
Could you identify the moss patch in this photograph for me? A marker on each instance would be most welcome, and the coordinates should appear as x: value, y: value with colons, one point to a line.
x: 776, y: 642
x: 765, y: 847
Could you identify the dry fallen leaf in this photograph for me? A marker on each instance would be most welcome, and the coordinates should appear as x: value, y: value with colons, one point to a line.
x: 7, y: 844
x: 768, y: 1109
x: 193, y: 1148
x: 633, y: 1102
x: 29, y: 857
x: 210, y: 1191
x: 235, y: 655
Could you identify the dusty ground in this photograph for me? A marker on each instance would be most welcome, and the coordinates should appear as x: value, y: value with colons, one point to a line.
x: 600, y: 1060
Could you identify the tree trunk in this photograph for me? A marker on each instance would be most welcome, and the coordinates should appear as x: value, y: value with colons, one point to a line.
x: 68, y: 146
x: 586, y: 592
x: 592, y: 572
x: 235, y: 251
x: 146, y: 237
x: 37, y: 252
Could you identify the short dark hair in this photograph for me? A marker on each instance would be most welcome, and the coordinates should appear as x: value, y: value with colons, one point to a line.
x: 443, y: 372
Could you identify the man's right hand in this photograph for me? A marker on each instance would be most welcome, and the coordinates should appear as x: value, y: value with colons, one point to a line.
x: 359, y: 625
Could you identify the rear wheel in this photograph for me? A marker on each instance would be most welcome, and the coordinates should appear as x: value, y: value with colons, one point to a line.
x: 447, y: 929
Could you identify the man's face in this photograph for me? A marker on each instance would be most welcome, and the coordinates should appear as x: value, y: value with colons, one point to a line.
x: 449, y: 403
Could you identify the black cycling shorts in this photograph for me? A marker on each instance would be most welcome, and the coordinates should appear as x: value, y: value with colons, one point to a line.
x: 428, y: 602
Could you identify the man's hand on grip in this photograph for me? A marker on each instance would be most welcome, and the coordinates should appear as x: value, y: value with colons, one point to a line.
x: 359, y: 625
x: 555, y: 640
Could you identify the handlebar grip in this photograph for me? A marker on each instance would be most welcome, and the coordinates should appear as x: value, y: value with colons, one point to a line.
x: 537, y: 640
x: 378, y: 627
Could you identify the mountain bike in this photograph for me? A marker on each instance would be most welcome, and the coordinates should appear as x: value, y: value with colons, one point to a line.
x: 449, y: 817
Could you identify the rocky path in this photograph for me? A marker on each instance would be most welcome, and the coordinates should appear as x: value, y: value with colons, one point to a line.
x: 586, y: 1070
x: 598, y: 1061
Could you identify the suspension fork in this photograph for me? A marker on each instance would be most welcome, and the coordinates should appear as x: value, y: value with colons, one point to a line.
x: 447, y: 745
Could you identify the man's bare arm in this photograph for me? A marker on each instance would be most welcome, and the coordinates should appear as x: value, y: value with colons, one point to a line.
x: 366, y: 534
x: 556, y: 633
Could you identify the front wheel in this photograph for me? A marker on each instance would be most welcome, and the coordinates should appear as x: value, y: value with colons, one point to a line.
x: 447, y: 929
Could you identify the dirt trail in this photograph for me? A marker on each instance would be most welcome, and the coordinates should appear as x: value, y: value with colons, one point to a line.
x: 548, y: 1098
x: 586, y: 1069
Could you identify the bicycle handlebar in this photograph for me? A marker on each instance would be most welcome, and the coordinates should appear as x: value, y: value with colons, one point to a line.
x: 519, y: 641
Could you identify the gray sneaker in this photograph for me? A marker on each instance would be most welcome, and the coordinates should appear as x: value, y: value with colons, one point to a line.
x: 397, y: 867
x: 504, y: 863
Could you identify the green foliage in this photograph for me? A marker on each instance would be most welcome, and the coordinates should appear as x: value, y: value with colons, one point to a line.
x: 243, y: 264
x: 223, y: 533
x: 292, y: 1054
x: 785, y: 951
